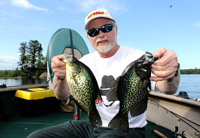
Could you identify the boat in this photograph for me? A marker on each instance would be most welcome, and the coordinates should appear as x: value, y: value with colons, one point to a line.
x: 26, y: 108
x: 178, y: 114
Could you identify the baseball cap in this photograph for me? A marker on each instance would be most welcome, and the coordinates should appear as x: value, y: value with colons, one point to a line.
x: 99, y: 13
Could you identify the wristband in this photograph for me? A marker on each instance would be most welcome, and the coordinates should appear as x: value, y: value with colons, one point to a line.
x: 60, y: 79
x: 177, y: 70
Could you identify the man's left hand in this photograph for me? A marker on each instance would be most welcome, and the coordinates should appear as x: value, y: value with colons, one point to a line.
x: 166, y: 65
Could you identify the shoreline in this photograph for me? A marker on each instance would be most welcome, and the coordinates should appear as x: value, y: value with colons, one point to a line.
x: 42, y: 76
x: 12, y: 77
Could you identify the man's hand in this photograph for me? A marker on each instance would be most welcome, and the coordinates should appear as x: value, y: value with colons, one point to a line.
x: 166, y: 65
x: 58, y: 66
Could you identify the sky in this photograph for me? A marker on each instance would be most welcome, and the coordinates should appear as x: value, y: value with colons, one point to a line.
x: 142, y: 24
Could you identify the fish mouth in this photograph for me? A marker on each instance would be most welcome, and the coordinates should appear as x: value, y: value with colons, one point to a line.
x: 149, y: 59
x: 67, y: 58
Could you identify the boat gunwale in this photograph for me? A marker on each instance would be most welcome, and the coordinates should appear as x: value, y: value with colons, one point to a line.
x: 177, y: 99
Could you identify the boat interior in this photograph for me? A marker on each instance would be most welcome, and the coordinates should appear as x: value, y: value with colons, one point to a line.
x: 15, y: 125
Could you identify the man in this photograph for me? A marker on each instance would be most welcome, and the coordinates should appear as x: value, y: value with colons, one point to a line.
x: 107, y: 63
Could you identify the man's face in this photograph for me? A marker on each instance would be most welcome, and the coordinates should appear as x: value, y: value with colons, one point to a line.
x: 103, y: 42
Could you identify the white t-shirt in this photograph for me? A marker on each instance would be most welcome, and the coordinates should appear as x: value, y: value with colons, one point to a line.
x: 106, y: 70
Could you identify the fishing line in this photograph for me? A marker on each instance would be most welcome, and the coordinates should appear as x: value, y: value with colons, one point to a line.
x: 177, y: 115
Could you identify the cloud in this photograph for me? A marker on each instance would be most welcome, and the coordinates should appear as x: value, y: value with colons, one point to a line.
x: 25, y: 4
x: 2, y: 3
x: 8, y: 62
x: 116, y: 7
x: 61, y: 8
x: 6, y: 15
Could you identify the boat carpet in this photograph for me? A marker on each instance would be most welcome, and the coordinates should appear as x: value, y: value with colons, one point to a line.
x: 21, y: 127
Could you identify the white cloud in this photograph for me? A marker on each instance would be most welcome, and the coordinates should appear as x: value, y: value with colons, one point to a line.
x: 61, y: 8
x: 116, y: 7
x: 2, y: 3
x: 25, y: 4
x: 8, y: 63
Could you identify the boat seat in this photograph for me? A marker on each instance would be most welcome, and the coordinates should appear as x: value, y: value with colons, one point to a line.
x: 65, y: 41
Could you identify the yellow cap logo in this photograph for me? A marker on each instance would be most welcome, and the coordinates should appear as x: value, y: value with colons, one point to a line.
x: 96, y: 13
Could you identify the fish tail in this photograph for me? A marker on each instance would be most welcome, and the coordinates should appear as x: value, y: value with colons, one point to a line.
x: 119, y: 122
x: 95, y: 119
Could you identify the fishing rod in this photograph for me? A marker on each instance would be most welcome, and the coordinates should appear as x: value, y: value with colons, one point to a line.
x: 181, y: 118
x: 31, y: 68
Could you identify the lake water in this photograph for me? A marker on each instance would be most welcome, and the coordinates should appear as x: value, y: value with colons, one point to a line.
x: 188, y: 83
x: 22, y: 81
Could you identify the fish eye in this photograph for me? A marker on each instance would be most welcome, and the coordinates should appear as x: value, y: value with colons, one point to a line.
x: 75, y: 60
x: 143, y: 69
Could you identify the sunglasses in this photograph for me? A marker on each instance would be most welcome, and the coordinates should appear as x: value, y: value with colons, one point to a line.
x: 106, y: 28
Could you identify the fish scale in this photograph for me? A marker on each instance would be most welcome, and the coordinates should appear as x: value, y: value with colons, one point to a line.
x: 83, y: 88
x: 131, y: 89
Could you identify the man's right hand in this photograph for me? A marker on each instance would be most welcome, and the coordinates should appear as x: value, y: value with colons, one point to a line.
x: 58, y: 66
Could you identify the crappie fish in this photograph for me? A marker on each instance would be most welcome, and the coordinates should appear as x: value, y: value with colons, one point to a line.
x: 83, y: 87
x: 131, y: 89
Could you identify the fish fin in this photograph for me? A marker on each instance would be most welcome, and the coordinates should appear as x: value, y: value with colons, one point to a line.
x: 98, y: 96
x: 119, y: 122
x: 149, y: 84
x: 109, y: 104
x: 112, y: 94
x: 139, y: 107
x: 82, y: 107
x: 75, y: 80
x: 95, y: 119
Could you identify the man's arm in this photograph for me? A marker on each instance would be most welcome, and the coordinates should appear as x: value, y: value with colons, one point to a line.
x: 169, y: 86
x: 60, y: 87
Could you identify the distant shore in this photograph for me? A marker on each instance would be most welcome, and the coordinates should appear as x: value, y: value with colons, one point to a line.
x: 42, y: 76
x: 11, y: 77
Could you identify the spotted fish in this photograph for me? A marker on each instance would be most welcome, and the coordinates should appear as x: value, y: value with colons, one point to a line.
x: 83, y: 87
x: 131, y: 89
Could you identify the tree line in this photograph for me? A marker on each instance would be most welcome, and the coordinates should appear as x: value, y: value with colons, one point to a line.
x: 30, y: 52
x: 190, y: 71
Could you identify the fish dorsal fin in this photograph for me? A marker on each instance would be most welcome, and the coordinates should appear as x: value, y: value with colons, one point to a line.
x: 131, y: 64
x: 127, y: 68
x: 112, y: 94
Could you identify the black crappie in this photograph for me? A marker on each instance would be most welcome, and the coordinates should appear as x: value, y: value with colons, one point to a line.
x: 83, y: 87
x: 131, y: 89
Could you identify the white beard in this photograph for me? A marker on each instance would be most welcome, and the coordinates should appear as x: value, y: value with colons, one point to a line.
x: 105, y: 47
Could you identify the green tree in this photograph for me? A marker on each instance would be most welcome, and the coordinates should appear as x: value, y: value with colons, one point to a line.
x: 31, y: 53
x: 39, y: 52
x: 23, y: 51
x: 34, y: 51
